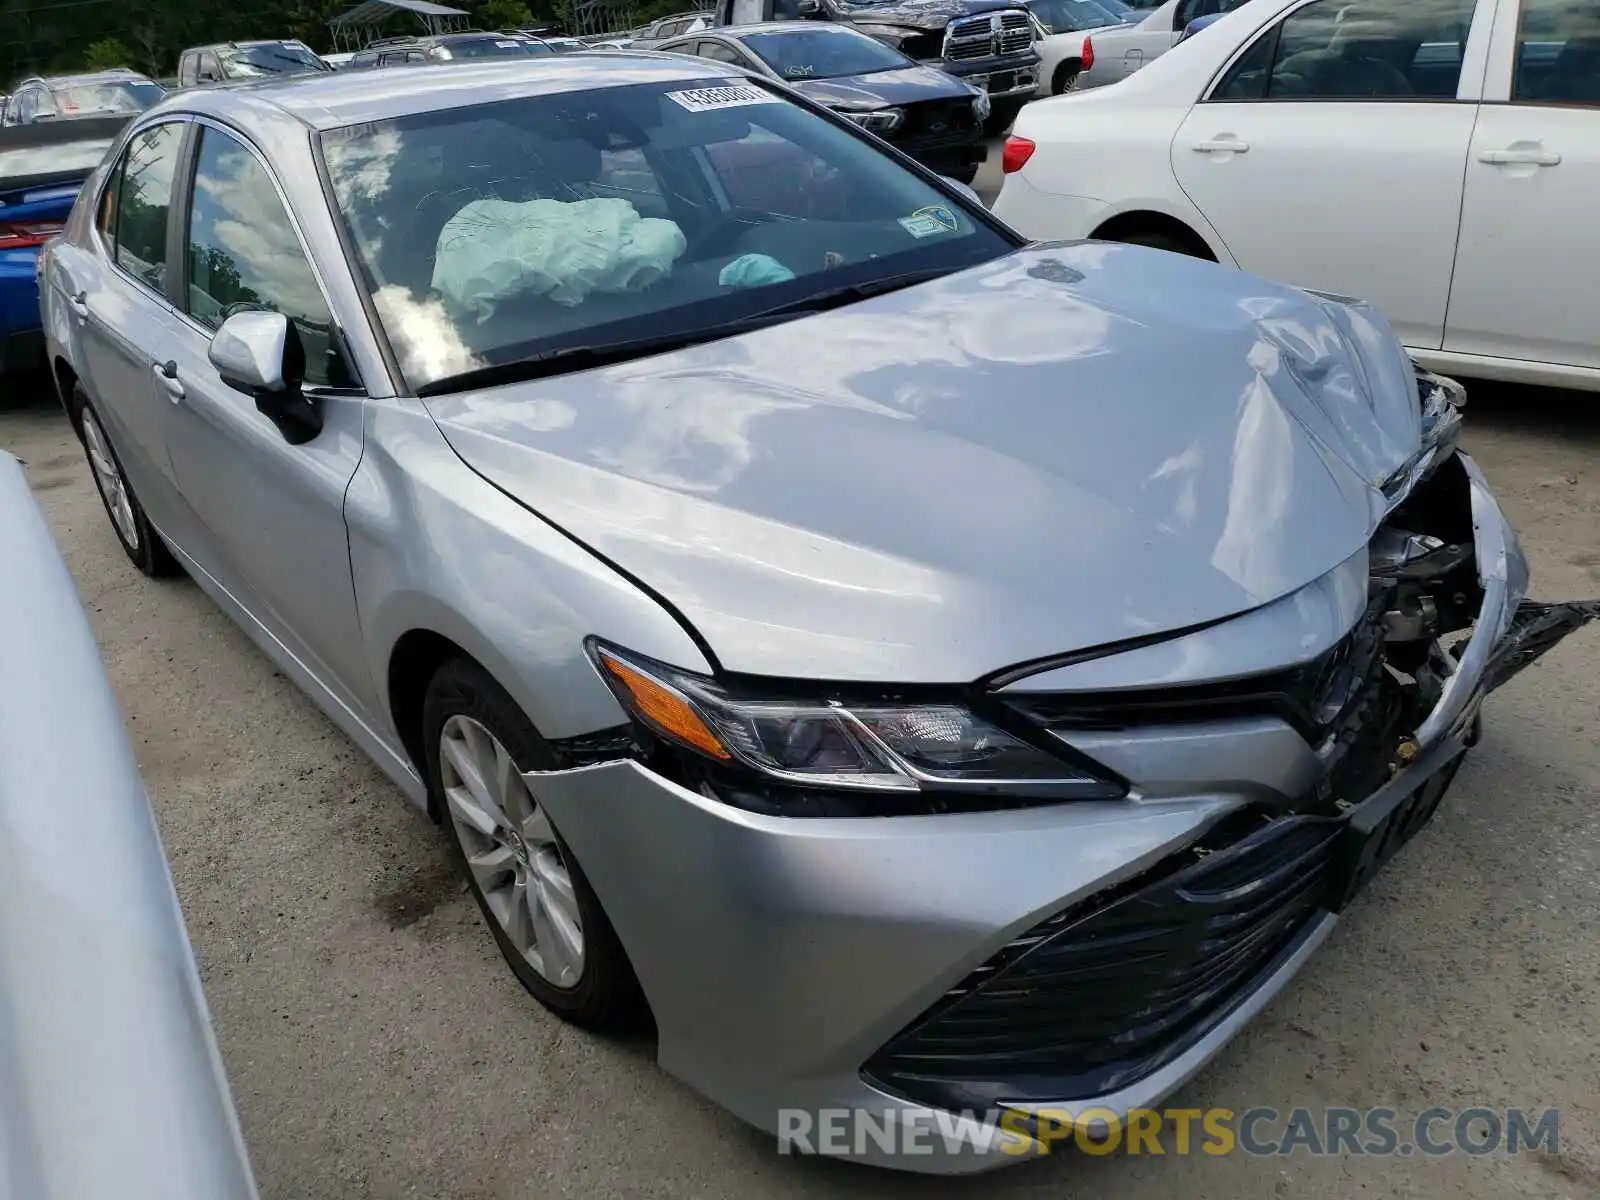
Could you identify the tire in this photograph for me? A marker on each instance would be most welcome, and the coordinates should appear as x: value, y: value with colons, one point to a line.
x: 1066, y: 74
x: 1160, y: 241
x: 602, y: 991
x: 1001, y: 116
x: 138, y: 538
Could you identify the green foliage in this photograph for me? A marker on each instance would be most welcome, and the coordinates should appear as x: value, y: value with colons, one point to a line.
x: 105, y: 54
x: 504, y: 14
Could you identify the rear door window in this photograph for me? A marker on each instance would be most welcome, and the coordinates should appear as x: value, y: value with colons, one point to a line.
x: 1558, y: 53
x: 142, y: 201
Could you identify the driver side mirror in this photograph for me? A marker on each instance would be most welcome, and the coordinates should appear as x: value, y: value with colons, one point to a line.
x: 259, y: 354
x: 808, y: 8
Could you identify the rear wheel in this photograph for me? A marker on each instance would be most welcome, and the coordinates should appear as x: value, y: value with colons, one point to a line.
x: 140, y: 541
x: 542, y: 912
x: 1065, y: 77
x: 1160, y: 241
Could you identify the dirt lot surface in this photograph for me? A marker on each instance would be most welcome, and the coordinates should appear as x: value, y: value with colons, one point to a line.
x: 378, y: 1048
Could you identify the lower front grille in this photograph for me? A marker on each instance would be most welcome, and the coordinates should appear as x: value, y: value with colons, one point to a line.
x: 938, y: 123
x: 1108, y: 991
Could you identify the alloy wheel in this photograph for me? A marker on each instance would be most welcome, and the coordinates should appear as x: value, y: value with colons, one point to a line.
x: 108, y: 478
x: 511, y: 849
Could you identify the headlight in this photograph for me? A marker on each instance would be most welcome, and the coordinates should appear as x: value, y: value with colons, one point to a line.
x: 980, y: 104
x: 874, y: 120
x: 879, y: 746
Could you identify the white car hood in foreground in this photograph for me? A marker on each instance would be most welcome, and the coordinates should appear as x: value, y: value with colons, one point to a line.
x: 1067, y: 447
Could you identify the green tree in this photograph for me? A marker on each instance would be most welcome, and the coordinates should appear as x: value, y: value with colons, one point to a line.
x: 105, y: 54
x: 504, y: 14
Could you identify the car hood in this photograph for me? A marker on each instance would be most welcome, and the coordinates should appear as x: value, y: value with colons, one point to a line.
x: 908, y: 85
x: 924, y: 14
x: 1069, y: 446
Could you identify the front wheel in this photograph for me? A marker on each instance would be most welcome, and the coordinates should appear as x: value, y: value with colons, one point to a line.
x: 140, y: 542
x: 542, y: 912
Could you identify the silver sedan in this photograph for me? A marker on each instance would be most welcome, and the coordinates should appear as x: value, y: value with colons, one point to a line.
x: 926, y: 673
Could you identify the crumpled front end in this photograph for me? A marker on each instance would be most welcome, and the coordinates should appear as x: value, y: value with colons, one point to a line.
x: 1052, y: 958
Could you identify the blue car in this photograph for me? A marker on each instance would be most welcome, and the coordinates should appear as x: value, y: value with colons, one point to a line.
x: 42, y: 167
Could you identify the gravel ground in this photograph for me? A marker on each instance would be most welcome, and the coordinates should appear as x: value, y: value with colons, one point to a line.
x: 378, y: 1048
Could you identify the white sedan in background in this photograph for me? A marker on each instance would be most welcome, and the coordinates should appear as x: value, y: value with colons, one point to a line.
x: 1119, y: 52
x: 1440, y: 158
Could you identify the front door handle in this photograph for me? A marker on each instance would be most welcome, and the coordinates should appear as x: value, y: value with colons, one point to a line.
x: 167, y: 373
x: 80, y: 304
x: 1532, y: 155
x: 1224, y: 143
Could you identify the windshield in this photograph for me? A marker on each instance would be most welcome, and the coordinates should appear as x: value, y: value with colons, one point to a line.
x: 504, y: 232
x: 823, y: 53
x: 490, y: 48
x: 275, y: 58
x: 1069, y: 16
x: 83, y: 99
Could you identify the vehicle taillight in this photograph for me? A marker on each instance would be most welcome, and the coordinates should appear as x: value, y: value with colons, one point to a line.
x: 1086, y: 59
x: 19, y: 235
x: 1017, y: 152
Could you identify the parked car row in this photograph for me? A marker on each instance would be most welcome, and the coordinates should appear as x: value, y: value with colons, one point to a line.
x: 644, y: 573
x: 930, y: 115
x: 1435, y: 157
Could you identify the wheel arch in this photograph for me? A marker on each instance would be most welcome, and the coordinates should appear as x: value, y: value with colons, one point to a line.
x: 66, y: 380
x: 1149, y: 220
x: 563, y: 698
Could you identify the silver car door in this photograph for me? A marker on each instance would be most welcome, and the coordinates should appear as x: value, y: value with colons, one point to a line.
x: 273, y: 511
x: 115, y: 285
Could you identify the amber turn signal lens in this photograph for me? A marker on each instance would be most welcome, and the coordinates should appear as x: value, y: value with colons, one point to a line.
x: 663, y: 708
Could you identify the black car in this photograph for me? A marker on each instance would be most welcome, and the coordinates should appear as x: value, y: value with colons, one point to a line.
x: 987, y: 43
x: 934, y: 117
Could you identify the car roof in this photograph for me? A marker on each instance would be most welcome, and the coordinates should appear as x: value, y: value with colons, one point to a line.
x: 339, y: 98
x: 739, y: 31
x: 117, y: 74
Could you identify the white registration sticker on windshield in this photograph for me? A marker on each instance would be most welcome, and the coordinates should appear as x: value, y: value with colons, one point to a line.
x: 734, y: 96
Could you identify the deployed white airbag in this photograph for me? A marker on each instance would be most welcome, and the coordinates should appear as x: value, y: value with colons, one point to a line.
x: 493, y: 249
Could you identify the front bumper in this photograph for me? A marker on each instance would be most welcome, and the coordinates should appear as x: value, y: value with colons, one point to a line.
x: 1002, y: 78
x: 793, y: 964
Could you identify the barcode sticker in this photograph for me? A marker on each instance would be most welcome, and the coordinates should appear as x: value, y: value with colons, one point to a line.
x: 733, y: 96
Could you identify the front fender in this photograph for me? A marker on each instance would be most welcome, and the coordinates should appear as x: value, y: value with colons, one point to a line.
x: 435, y: 547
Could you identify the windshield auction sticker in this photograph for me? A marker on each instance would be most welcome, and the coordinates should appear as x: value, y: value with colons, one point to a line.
x: 706, y: 99
x: 926, y: 222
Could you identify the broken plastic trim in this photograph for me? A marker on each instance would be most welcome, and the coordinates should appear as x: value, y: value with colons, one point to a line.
x: 1512, y: 632
x: 1535, y: 629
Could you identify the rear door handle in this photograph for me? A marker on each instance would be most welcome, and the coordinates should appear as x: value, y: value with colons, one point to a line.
x: 1530, y: 155
x: 1225, y: 144
x: 80, y: 304
x: 167, y: 373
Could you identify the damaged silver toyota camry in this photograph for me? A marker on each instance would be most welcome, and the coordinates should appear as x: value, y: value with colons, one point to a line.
x: 919, y: 670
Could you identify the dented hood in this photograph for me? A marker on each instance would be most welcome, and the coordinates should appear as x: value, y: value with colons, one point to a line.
x: 1069, y: 446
